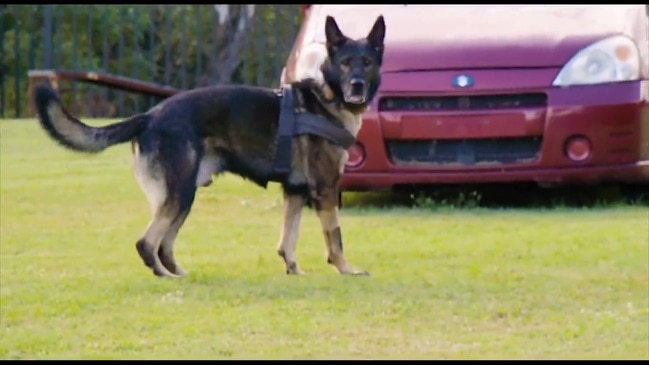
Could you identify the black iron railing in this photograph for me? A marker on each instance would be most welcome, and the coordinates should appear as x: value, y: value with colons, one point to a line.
x: 181, y: 46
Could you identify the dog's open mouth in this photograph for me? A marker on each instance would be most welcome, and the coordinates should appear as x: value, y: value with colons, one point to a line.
x: 355, y: 99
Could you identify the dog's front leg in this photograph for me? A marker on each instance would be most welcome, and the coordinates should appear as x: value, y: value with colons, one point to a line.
x: 327, y: 209
x: 293, y: 205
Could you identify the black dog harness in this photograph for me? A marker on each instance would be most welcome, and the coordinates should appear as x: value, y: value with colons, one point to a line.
x: 292, y: 123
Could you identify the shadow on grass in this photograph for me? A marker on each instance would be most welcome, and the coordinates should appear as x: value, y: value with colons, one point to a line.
x: 498, y: 196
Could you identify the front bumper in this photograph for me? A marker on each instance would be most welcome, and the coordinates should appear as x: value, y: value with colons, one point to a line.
x: 622, y: 173
x: 613, y: 117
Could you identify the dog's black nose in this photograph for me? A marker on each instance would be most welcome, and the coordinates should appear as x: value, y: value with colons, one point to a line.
x: 358, y: 86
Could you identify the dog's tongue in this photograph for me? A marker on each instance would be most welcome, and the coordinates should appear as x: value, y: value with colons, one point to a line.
x: 355, y: 99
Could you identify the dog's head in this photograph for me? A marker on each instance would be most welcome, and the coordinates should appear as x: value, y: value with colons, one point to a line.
x: 353, y: 69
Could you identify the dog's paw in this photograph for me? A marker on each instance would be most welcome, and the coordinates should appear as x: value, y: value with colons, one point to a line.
x: 295, y: 273
x: 293, y: 270
x: 164, y: 273
x: 204, y: 184
x: 359, y: 273
x: 180, y: 271
x: 355, y: 273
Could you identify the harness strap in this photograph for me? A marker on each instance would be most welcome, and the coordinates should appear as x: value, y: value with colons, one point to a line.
x: 285, y: 132
x: 293, y: 124
x: 308, y: 123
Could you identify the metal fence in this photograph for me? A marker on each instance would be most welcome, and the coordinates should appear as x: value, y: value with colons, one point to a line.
x: 183, y: 46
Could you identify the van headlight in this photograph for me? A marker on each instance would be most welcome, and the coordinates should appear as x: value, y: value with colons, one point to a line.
x: 612, y: 59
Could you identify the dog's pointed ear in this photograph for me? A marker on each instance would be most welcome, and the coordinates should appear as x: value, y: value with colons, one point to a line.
x: 377, y: 34
x: 335, y: 38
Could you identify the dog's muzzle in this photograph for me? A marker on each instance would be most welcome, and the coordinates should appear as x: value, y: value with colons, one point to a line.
x: 356, y: 92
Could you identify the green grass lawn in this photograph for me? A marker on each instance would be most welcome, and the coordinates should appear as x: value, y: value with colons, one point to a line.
x: 463, y: 283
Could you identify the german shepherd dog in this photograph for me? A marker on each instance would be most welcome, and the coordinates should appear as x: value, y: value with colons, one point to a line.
x: 181, y: 142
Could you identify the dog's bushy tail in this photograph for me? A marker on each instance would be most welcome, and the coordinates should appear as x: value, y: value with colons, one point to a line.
x: 75, y: 135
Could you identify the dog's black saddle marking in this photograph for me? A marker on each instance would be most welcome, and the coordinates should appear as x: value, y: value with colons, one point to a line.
x: 292, y: 123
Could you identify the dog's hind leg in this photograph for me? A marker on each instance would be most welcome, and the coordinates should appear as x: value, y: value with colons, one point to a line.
x: 327, y: 209
x: 209, y: 164
x: 166, y: 252
x: 293, y: 205
x: 148, y: 245
x: 169, y: 184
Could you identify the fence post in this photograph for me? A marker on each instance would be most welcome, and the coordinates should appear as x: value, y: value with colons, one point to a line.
x: 2, y: 63
x: 17, y: 72
x: 47, y: 37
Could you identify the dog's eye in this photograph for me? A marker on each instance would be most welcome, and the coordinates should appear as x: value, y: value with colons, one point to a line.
x: 367, y: 62
x: 346, y: 61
